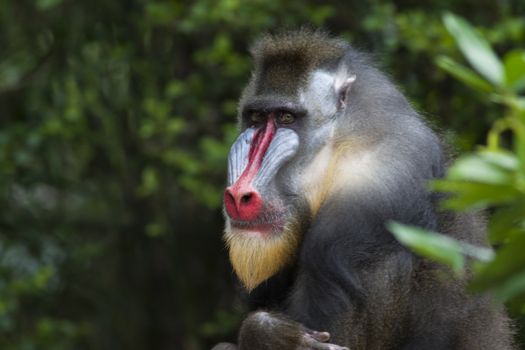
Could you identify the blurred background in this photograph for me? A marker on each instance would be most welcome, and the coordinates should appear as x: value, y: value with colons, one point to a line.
x: 115, y: 121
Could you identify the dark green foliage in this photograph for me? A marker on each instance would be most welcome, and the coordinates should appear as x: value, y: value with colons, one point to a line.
x: 115, y: 121
x: 491, y: 178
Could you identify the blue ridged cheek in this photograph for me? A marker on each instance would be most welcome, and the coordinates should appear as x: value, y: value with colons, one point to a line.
x: 283, y: 147
x: 238, y: 156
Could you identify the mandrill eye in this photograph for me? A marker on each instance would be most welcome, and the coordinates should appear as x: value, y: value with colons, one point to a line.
x: 256, y: 117
x: 286, y: 118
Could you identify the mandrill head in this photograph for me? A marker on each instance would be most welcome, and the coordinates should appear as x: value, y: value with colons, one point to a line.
x: 277, y: 168
x: 312, y: 122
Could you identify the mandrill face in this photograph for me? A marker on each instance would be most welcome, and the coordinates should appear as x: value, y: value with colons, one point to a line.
x: 277, y: 167
x: 260, y: 230
x: 258, y: 154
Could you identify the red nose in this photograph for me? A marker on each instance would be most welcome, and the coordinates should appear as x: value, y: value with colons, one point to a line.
x: 242, y: 202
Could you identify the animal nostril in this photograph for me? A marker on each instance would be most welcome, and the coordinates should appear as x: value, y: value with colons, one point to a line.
x: 229, y: 198
x: 246, y: 198
x: 229, y: 202
x: 242, y: 204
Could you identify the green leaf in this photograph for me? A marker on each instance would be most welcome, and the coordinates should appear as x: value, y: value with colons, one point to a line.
x: 437, y: 247
x: 479, y: 169
x: 47, y: 4
x: 515, y: 70
x: 463, y: 74
x: 155, y: 229
x: 150, y: 182
x: 163, y: 12
x: 471, y: 195
x: 505, y: 271
x: 475, y: 48
x: 511, y: 288
x: 502, y: 158
x: 506, y: 221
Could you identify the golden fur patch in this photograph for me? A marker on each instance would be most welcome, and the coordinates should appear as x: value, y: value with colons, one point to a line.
x: 338, y: 167
x: 255, y: 257
x: 319, y: 178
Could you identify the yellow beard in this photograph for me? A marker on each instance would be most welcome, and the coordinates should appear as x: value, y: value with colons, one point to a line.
x: 255, y: 257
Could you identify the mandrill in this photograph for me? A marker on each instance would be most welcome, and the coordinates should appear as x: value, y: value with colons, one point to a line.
x: 329, y: 151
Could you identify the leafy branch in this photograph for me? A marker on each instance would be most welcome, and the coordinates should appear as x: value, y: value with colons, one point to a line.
x: 493, y: 177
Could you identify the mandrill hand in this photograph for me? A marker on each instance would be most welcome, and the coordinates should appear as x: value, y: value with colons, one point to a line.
x: 262, y: 330
x: 312, y: 340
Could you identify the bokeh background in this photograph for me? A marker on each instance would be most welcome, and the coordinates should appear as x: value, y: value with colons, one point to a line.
x: 115, y: 121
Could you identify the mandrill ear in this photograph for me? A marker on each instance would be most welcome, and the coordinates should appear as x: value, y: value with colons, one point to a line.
x: 342, y: 88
